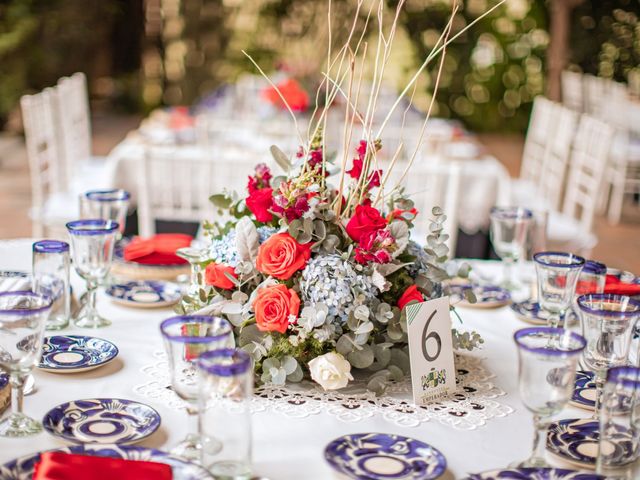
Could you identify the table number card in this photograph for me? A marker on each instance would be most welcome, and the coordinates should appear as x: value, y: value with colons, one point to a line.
x: 433, y: 372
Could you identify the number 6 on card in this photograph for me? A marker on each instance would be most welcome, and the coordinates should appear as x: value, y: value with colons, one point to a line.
x: 433, y: 373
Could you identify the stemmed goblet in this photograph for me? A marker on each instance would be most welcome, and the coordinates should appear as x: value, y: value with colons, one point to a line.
x: 557, y: 274
x: 509, y: 231
x: 23, y: 316
x: 195, y: 257
x: 608, y: 322
x: 547, y: 360
x: 185, y: 338
x: 106, y: 205
x: 92, y: 244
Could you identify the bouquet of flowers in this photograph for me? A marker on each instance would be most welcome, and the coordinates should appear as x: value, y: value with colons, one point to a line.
x: 314, y: 273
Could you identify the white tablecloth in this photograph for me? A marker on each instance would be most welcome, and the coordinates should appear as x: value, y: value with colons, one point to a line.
x: 284, y: 447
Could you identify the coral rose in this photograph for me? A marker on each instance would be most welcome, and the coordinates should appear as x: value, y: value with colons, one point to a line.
x: 259, y: 202
x: 365, y: 220
x: 275, y: 307
x: 409, y: 295
x: 281, y: 256
x: 214, y: 275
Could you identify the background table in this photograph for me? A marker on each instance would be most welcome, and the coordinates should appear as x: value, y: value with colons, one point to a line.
x: 284, y: 448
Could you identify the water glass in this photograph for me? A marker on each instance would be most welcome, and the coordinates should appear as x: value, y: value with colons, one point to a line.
x: 185, y: 339
x: 51, y: 263
x: 226, y: 387
x: 537, y: 239
x: 608, y: 321
x: 195, y: 257
x: 557, y: 274
x: 509, y: 232
x: 547, y: 360
x: 619, y: 423
x: 92, y: 244
x: 107, y: 205
x: 23, y: 315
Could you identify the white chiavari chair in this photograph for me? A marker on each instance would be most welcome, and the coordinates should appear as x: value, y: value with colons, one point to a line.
x: 554, y: 168
x: 52, y: 205
x: 176, y: 185
x: 622, y: 175
x: 594, y: 89
x: 541, y: 126
x: 82, y: 171
x: 429, y: 184
x: 573, y: 227
x: 572, y: 90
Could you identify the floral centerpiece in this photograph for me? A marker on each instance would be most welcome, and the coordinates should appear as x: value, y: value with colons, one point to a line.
x: 314, y: 266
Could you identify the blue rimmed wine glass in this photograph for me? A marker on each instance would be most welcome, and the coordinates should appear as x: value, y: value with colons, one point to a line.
x: 185, y: 338
x: 608, y: 322
x: 111, y: 204
x: 557, y: 274
x: 23, y: 316
x: 509, y: 233
x: 547, y: 360
x: 92, y: 244
x: 619, y: 439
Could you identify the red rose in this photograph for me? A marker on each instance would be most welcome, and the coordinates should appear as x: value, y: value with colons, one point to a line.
x: 214, y: 275
x: 259, y: 202
x: 365, y: 220
x: 411, y: 294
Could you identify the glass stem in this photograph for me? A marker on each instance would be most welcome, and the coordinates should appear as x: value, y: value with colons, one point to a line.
x: 508, y: 271
x: 194, y: 423
x: 600, y: 380
x: 539, y: 440
x: 92, y: 287
x: 17, y: 393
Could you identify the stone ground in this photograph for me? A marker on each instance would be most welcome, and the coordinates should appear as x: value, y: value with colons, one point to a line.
x: 619, y: 246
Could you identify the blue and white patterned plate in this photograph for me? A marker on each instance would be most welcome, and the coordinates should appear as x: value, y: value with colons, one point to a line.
x: 534, y: 474
x: 378, y: 456
x: 584, y: 392
x: 22, y: 468
x: 75, y: 353
x: 102, y: 420
x: 145, y: 294
x: 530, y: 312
x: 576, y: 441
x: 487, y: 296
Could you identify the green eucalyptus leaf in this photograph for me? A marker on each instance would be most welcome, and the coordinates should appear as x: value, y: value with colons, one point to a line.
x: 280, y: 157
x: 362, y: 358
x: 220, y: 200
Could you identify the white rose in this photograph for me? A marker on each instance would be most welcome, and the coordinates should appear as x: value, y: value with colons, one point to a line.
x: 331, y: 370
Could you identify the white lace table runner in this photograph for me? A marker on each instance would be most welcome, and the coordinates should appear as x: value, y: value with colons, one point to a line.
x: 470, y: 407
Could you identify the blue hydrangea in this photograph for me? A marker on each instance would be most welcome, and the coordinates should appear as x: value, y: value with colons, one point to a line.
x: 334, y: 282
x: 223, y: 250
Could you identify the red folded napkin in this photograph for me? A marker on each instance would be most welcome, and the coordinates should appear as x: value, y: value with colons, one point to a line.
x: 157, y: 250
x: 67, y: 466
x: 292, y: 92
x: 614, y: 285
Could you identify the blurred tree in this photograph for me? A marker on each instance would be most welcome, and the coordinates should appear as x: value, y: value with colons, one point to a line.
x: 42, y: 41
x: 493, y: 71
x: 605, y: 38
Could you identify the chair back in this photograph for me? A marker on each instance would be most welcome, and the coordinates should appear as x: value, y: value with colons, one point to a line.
x: 74, y: 122
x: 43, y: 146
x: 587, y: 166
x: 554, y: 169
x: 572, y: 90
x: 176, y: 183
x: 542, y: 125
x: 431, y: 184
x: 594, y: 89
